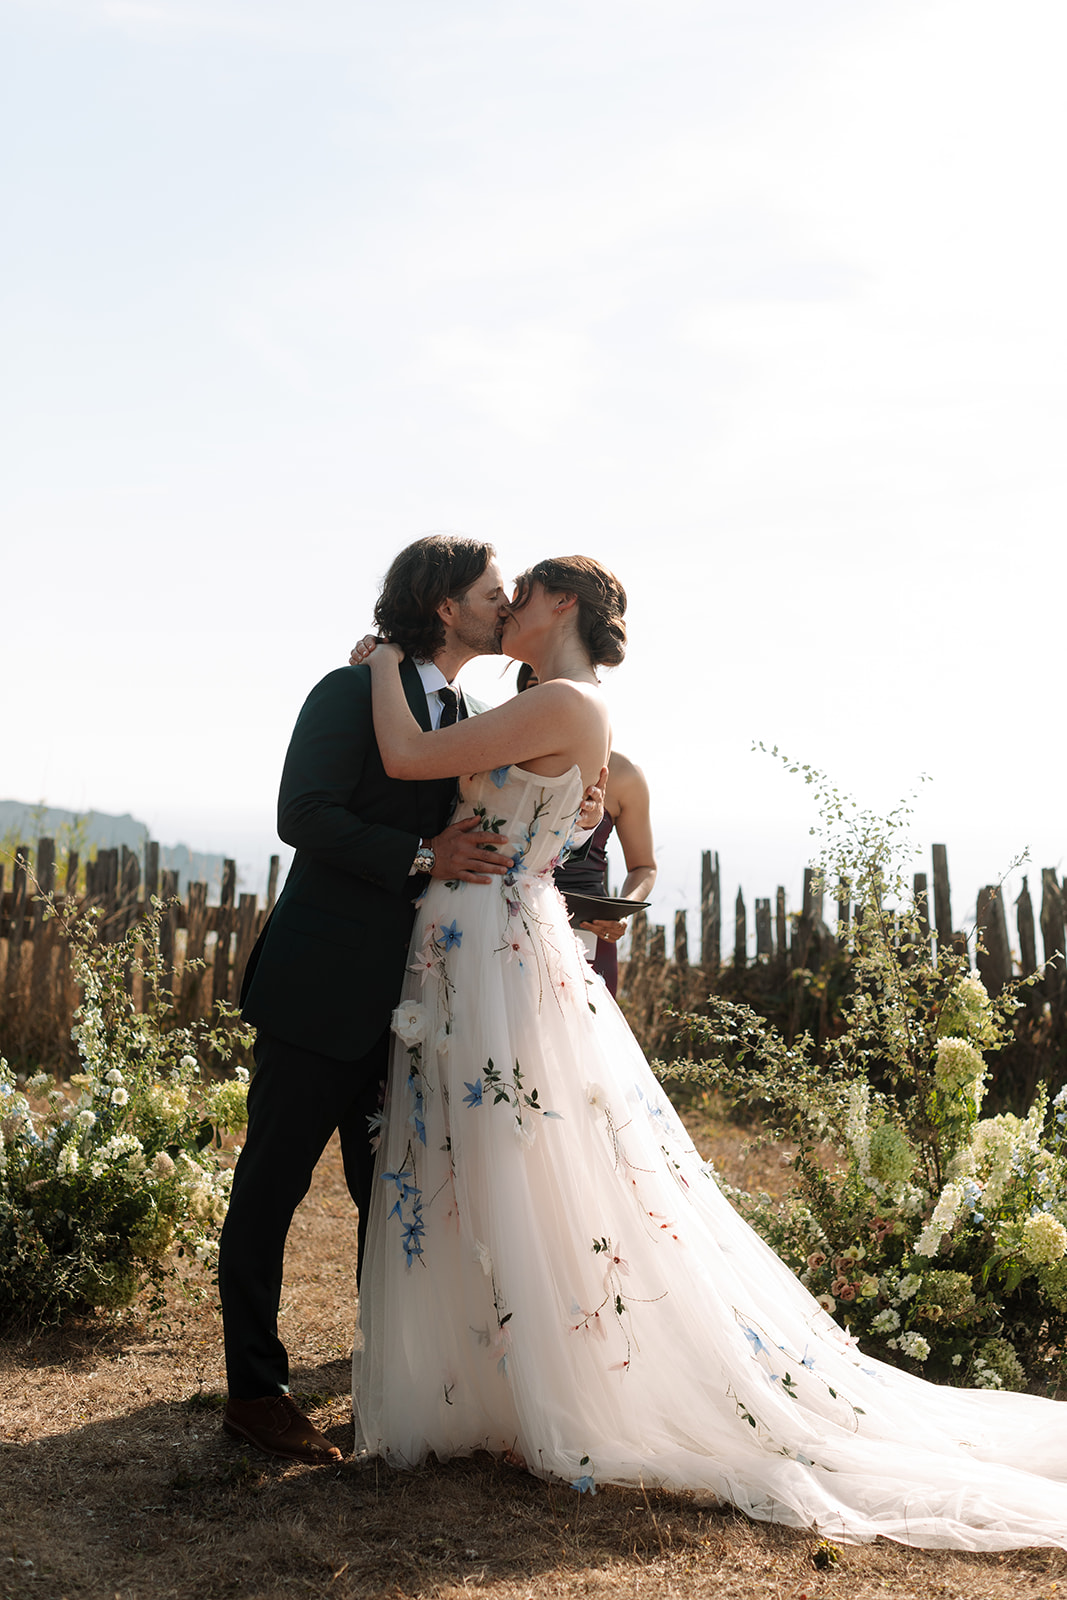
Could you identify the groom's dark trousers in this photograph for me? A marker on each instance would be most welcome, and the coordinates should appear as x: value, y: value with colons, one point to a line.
x: 321, y: 986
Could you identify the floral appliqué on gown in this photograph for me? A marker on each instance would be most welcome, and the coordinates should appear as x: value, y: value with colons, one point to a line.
x: 553, y: 1271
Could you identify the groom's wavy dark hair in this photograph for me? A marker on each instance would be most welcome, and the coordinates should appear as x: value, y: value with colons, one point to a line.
x: 440, y: 567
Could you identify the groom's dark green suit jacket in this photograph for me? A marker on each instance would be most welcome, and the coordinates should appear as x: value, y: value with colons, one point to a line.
x: 327, y: 970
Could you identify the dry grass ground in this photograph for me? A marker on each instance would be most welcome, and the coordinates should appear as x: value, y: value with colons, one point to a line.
x: 116, y: 1482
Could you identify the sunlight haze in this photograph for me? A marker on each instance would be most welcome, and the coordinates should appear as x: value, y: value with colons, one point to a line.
x: 760, y: 304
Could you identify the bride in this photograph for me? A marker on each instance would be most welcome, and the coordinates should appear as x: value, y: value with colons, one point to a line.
x: 552, y: 1272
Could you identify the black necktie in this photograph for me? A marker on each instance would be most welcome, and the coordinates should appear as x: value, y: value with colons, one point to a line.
x: 449, y: 707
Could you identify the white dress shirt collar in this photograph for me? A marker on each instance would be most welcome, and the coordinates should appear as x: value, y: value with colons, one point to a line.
x: 432, y: 680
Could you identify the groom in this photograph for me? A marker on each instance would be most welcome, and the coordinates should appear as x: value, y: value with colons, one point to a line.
x: 326, y: 972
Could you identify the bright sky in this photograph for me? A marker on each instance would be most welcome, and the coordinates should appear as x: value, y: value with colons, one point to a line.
x: 761, y: 302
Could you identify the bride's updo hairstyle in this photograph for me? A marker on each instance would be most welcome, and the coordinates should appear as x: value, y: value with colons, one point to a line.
x: 601, y: 602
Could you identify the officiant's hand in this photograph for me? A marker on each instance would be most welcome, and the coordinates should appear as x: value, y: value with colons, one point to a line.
x: 463, y: 851
x: 592, y: 813
x: 611, y: 931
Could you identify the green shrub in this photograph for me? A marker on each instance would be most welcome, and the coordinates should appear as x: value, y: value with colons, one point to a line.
x: 938, y: 1237
x: 119, y: 1178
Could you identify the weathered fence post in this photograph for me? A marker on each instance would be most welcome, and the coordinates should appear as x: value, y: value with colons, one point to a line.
x: 105, y: 892
x: 844, y: 917
x: 220, y: 983
x: 992, y: 951
x: 764, y: 935
x: 168, y: 927
x: 942, y: 899
x: 809, y: 924
x: 1052, y: 936
x: 781, y: 929
x: 657, y: 944
x: 740, y: 933
x: 151, y: 871
x: 195, y: 937
x: 1024, y: 921
x: 246, y: 938
x: 43, y: 933
x: 19, y: 896
x: 681, y: 940
x: 710, y: 912
x: 129, y: 907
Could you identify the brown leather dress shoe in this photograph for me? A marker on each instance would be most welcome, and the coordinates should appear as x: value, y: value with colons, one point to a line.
x: 278, y: 1426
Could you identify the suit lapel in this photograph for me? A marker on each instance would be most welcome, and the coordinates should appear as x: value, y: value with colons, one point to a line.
x: 415, y: 693
x: 434, y: 795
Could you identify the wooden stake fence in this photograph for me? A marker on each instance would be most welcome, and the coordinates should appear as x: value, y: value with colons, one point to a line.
x: 33, y: 979
x: 33, y: 975
x: 804, y: 939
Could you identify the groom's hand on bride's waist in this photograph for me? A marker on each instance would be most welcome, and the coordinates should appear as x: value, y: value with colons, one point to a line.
x: 463, y: 851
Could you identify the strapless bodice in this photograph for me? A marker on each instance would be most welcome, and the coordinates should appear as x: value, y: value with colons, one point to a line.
x: 537, y: 814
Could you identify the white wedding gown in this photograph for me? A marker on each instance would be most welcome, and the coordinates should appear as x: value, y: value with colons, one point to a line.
x: 552, y: 1270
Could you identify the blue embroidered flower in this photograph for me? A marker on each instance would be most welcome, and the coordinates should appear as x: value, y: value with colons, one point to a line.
x: 475, y: 1096
x: 401, y: 1179
x: 450, y: 934
x: 585, y: 1484
x: 758, y: 1346
x: 499, y: 776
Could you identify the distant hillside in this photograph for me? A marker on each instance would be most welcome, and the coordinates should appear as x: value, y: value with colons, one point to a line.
x: 21, y: 823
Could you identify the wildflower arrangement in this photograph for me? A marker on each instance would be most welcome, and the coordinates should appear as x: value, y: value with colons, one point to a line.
x: 937, y: 1236
x: 109, y: 1182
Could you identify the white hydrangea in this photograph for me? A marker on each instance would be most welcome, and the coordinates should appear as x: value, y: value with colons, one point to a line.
x: 887, y: 1321
x: 1044, y: 1239
x: 959, y: 1068
x: 999, y: 1143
